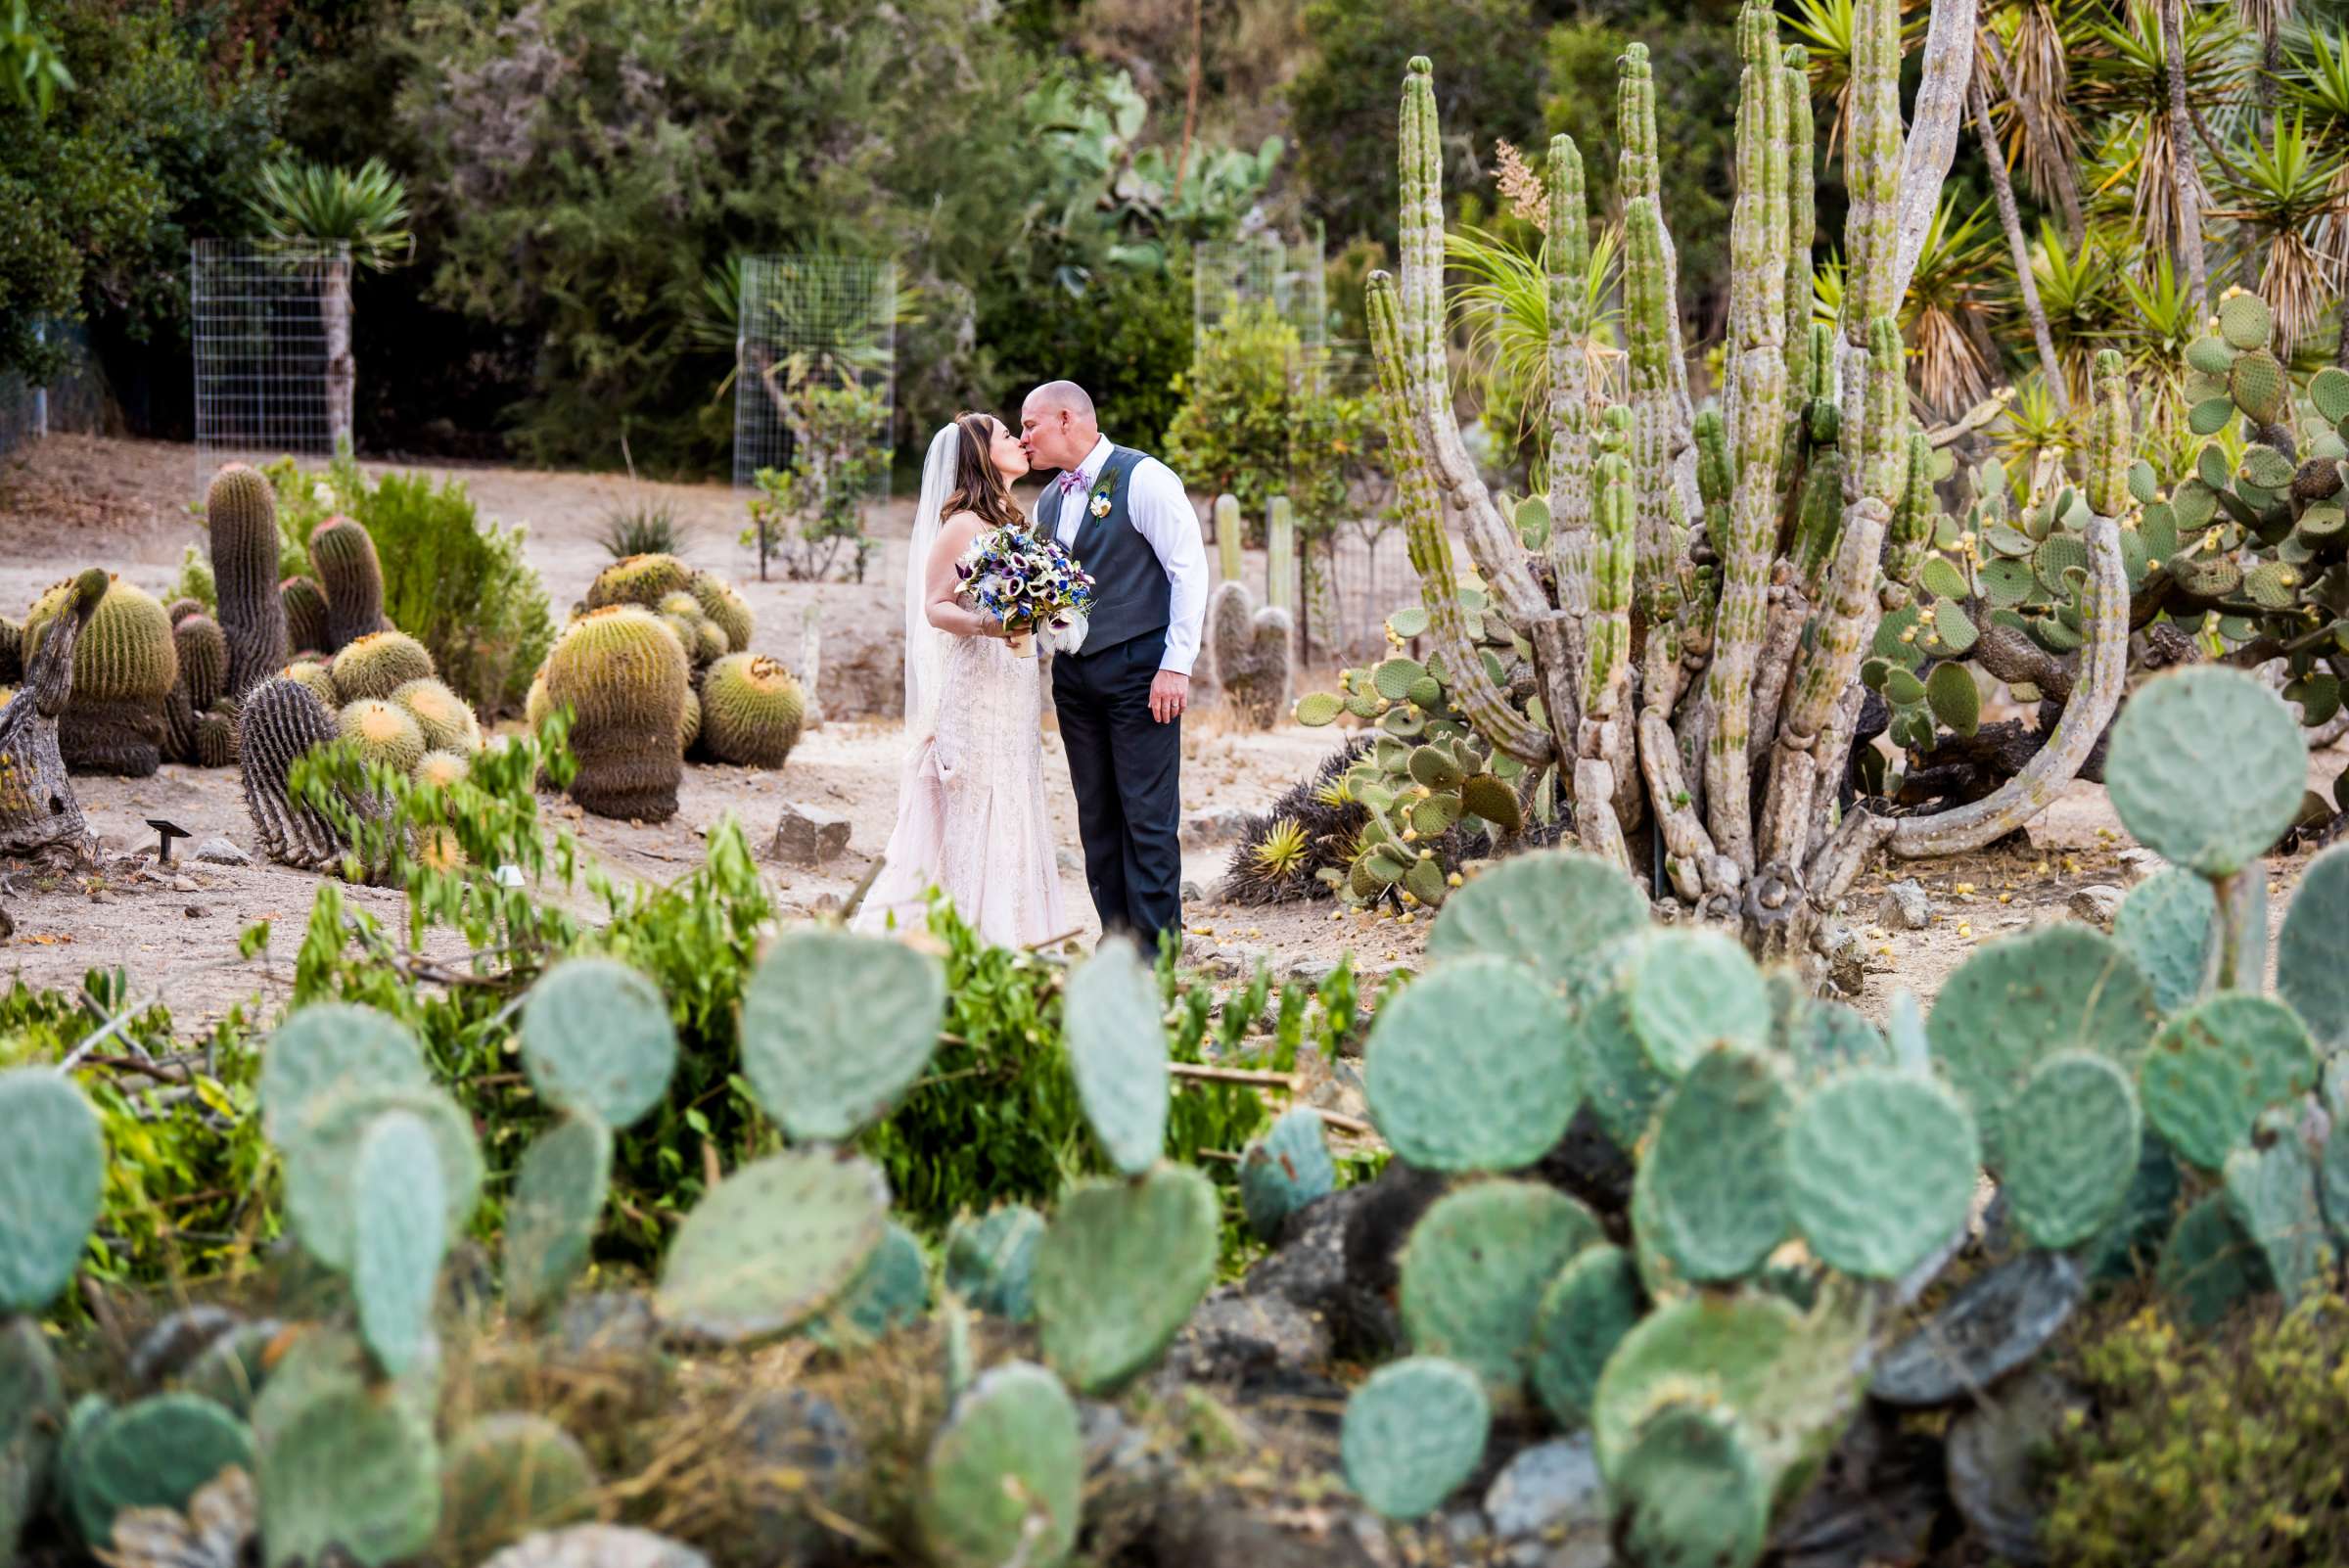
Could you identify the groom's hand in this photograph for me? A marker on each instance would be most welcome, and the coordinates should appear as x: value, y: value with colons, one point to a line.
x: 1170, y: 694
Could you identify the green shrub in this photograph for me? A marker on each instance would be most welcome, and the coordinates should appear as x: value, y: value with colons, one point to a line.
x: 1125, y: 338
x: 2220, y: 1450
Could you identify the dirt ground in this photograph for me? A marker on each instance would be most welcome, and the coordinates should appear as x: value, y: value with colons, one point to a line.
x: 73, y: 502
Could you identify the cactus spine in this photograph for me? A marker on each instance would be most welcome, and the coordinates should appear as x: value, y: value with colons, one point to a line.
x: 239, y: 513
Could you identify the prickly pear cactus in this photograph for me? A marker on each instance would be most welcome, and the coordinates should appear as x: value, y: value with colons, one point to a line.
x: 2205, y: 769
x: 1879, y: 1171
x: 596, y: 1038
x: 1116, y: 1047
x: 1119, y: 1270
x: 507, y: 1475
x: 328, y: 1048
x: 1585, y: 1311
x: 772, y: 1244
x: 891, y: 1289
x: 1709, y: 1202
x: 345, y: 1468
x: 559, y: 1194
x: 2309, y: 972
x: 31, y: 1403
x: 1724, y: 1349
x: 2073, y: 1139
x: 321, y: 1175
x: 1474, y: 1269
x: 1285, y: 1170
x: 51, y: 1182
x: 2272, y: 1192
x: 1471, y: 1069
x: 2211, y: 1264
x: 1413, y: 1433
x: 399, y: 1235
x: 1004, y: 1479
x: 836, y: 1025
x: 1692, y: 991
x: 990, y: 1262
x: 154, y: 1454
x: 1552, y: 910
x: 1690, y: 1493
x: 2214, y: 1068
x: 2166, y: 925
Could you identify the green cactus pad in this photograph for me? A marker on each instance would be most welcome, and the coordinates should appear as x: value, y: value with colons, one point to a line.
x: 2212, y: 357
x: 1689, y: 1493
x: 1724, y: 1349
x: 2166, y: 925
x: 2014, y: 1002
x: 1285, y: 1170
x: 1395, y: 678
x: 772, y: 1243
x: 1005, y: 1475
x: 1583, y: 1316
x: 1709, y: 1201
x: 2333, y: 1186
x: 1551, y: 911
x: 2309, y: 972
x: 347, y: 1468
x: 2211, y: 1264
x: 1474, y: 1269
x: 310, y: 1363
x: 1826, y: 1036
x: 331, y: 1049
x: 320, y: 1169
x: 2272, y: 1192
x: 152, y: 1454
x: 888, y: 1291
x: 2210, y: 416
x: 1879, y: 1170
x: 1954, y: 630
x: 1117, y: 1044
x: 1692, y: 991
x: 1470, y: 1069
x: 1951, y: 693
x: 1942, y: 579
x: 51, y: 1182
x: 507, y: 1475
x: 2072, y: 1142
x: 399, y: 1235
x: 597, y: 1037
x: 1623, y: 1086
x: 2205, y: 767
x: 1119, y: 1270
x: 1437, y: 769
x: 834, y: 1026
x: 2266, y: 467
x: 2215, y: 1067
x: 990, y: 1262
x: 1414, y: 1432
x: 1316, y: 708
x: 31, y: 1399
x: 559, y: 1194
x: 2245, y: 321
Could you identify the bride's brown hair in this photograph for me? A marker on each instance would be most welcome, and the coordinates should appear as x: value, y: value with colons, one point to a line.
x: 978, y: 487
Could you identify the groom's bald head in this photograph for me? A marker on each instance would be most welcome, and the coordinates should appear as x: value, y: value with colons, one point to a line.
x: 1057, y: 424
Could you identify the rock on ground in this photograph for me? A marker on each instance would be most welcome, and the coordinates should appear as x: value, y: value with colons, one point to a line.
x: 808, y: 835
x: 597, y: 1547
x: 1904, y: 907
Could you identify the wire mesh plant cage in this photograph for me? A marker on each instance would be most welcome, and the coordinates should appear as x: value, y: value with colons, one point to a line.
x: 259, y: 316
x: 1228, y: 274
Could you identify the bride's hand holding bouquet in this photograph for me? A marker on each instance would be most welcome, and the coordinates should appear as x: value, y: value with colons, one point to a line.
x: 1026, y: 584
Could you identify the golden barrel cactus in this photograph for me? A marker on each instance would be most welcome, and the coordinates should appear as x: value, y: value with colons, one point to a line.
x: 751, y: 711
x: 625, y: 678
x: 379, y: 664
x: 723, y: 604
x: 384, y: 731
x: 446, y: 719
x: 343, y: 555
x: 640, y: 580
x: 124, y: 669
x: 240, y: 514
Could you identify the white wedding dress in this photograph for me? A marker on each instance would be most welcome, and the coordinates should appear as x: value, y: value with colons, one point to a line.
x: 971, y: 809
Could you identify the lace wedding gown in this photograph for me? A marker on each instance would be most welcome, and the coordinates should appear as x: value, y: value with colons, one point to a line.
x: 971, y: 813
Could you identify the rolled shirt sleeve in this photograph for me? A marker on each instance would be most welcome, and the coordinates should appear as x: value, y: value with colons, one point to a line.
x: 1160, y: 512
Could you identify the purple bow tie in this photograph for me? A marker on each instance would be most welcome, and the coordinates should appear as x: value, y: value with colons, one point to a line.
x: 1072, y: 480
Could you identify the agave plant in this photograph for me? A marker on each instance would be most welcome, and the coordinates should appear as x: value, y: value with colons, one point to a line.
x: 367, y: 213
x: 2033, y: 425
x: 2077, y: 288
x: 2124, y: 79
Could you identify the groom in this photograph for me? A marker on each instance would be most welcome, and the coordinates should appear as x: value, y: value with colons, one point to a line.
x: 1119, y: 701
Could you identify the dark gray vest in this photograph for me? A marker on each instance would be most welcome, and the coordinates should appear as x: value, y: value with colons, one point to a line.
x: 1131, y: 594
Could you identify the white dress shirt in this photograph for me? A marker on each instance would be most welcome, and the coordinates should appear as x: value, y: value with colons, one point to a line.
x: 1160, y: 512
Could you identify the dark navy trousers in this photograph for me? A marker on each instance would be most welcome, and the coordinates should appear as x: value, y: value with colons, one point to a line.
x: 1125, y: 766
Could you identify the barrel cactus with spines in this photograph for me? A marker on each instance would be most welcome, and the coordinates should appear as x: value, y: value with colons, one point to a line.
x: 380, y: 663
x: 384, y: 733
x: 722, y: 602
x: 638, y: 580
x: 689, y: 722
x: 200, y: 654
x: 305, y: 615
x: 281, y: 720
x: 319, y: 678
x: 343, y: 555
x: 446, y: 719
x: 623, y: 677
x: 124, y: 665
x: 443, y: 769
x: 752, y: 711
x: 240, y: 516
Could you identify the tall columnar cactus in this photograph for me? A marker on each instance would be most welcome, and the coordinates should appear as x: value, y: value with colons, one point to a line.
x: 343, y: 555
x: 240, y: 515
x: 305, y: 615
x: 1251, y: 652
x: 624, y: 677
x: 201, y: 651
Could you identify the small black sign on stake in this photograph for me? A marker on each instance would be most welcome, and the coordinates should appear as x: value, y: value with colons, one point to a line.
x: 169, y: 831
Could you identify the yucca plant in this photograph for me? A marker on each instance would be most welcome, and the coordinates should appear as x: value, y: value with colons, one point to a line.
x: 2023, y: 65
x: 1950, y: 309
x: 367, y: 213
x: 2284, y: 190
x: 1505, y: 304
x: 2033, y: 425
x: 2124, y: 79
x: 2079, y: 289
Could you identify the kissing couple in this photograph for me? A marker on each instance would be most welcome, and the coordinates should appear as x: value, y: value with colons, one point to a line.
x: 971, y: 804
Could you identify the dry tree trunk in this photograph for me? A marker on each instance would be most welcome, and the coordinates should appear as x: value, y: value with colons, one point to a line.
x: 2003, y: 188
x: 2182, y: 173
x: 342, y: 370
x: 37, y: 808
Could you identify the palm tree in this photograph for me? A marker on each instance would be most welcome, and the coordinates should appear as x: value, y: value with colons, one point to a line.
x: 366, y: 213
x: 2319, y: 88
x: 2282, y: 193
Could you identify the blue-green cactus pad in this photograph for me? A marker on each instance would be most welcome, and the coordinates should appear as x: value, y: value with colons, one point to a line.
x: 321, y: 1168
x: 329, y: 1050
x: 345, y: 1467
x: 2166, y: 926
x: 2273, y: 1194
x: 399, y: 1235
x: 152, y: 1454
x: 1582, y: 1316
x: 1825, y: 1038
x: 509, y: 1474
x: 890, y: 1291
x: 31, y: 1399
x: 1414, y: 1432
x: 1689, y: 1493
x: 1117, y: 1043
x: 2310, y: 972
x: 1721, y: 1349
x: 2211, y: 1264
x: 1550, y: 911
x: 1286, y: 1169
x: 2205, y: 767
x: 2215, y: 1067
x: 52, y: 1179
x: 1709, y: 1202
x: 772, y: 1243
x: 1472, y: 1069
x: 1623, y: 1086
x: 2127, y: 1247
x: 559, y: 1194
x: 2073, y: 1138
x: 2022, y: 999
x: 834, y: 1026
x: 1474, y: 1269
x: 1879, y: 1166
x: 1005, y: 1477
x: 597, y: 1037
x: 2332, y: 1179
x: 1692, y: 991
x: 1119, y: 1270
x: 990, y: 1261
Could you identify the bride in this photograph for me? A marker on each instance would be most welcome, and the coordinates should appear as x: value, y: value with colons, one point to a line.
x: 970, y: 802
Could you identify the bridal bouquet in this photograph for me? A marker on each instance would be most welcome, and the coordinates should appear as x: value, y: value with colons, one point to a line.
x: 1027, y: 583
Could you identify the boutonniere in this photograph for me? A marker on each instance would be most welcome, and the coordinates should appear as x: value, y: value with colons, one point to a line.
x: 1100, y: 503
